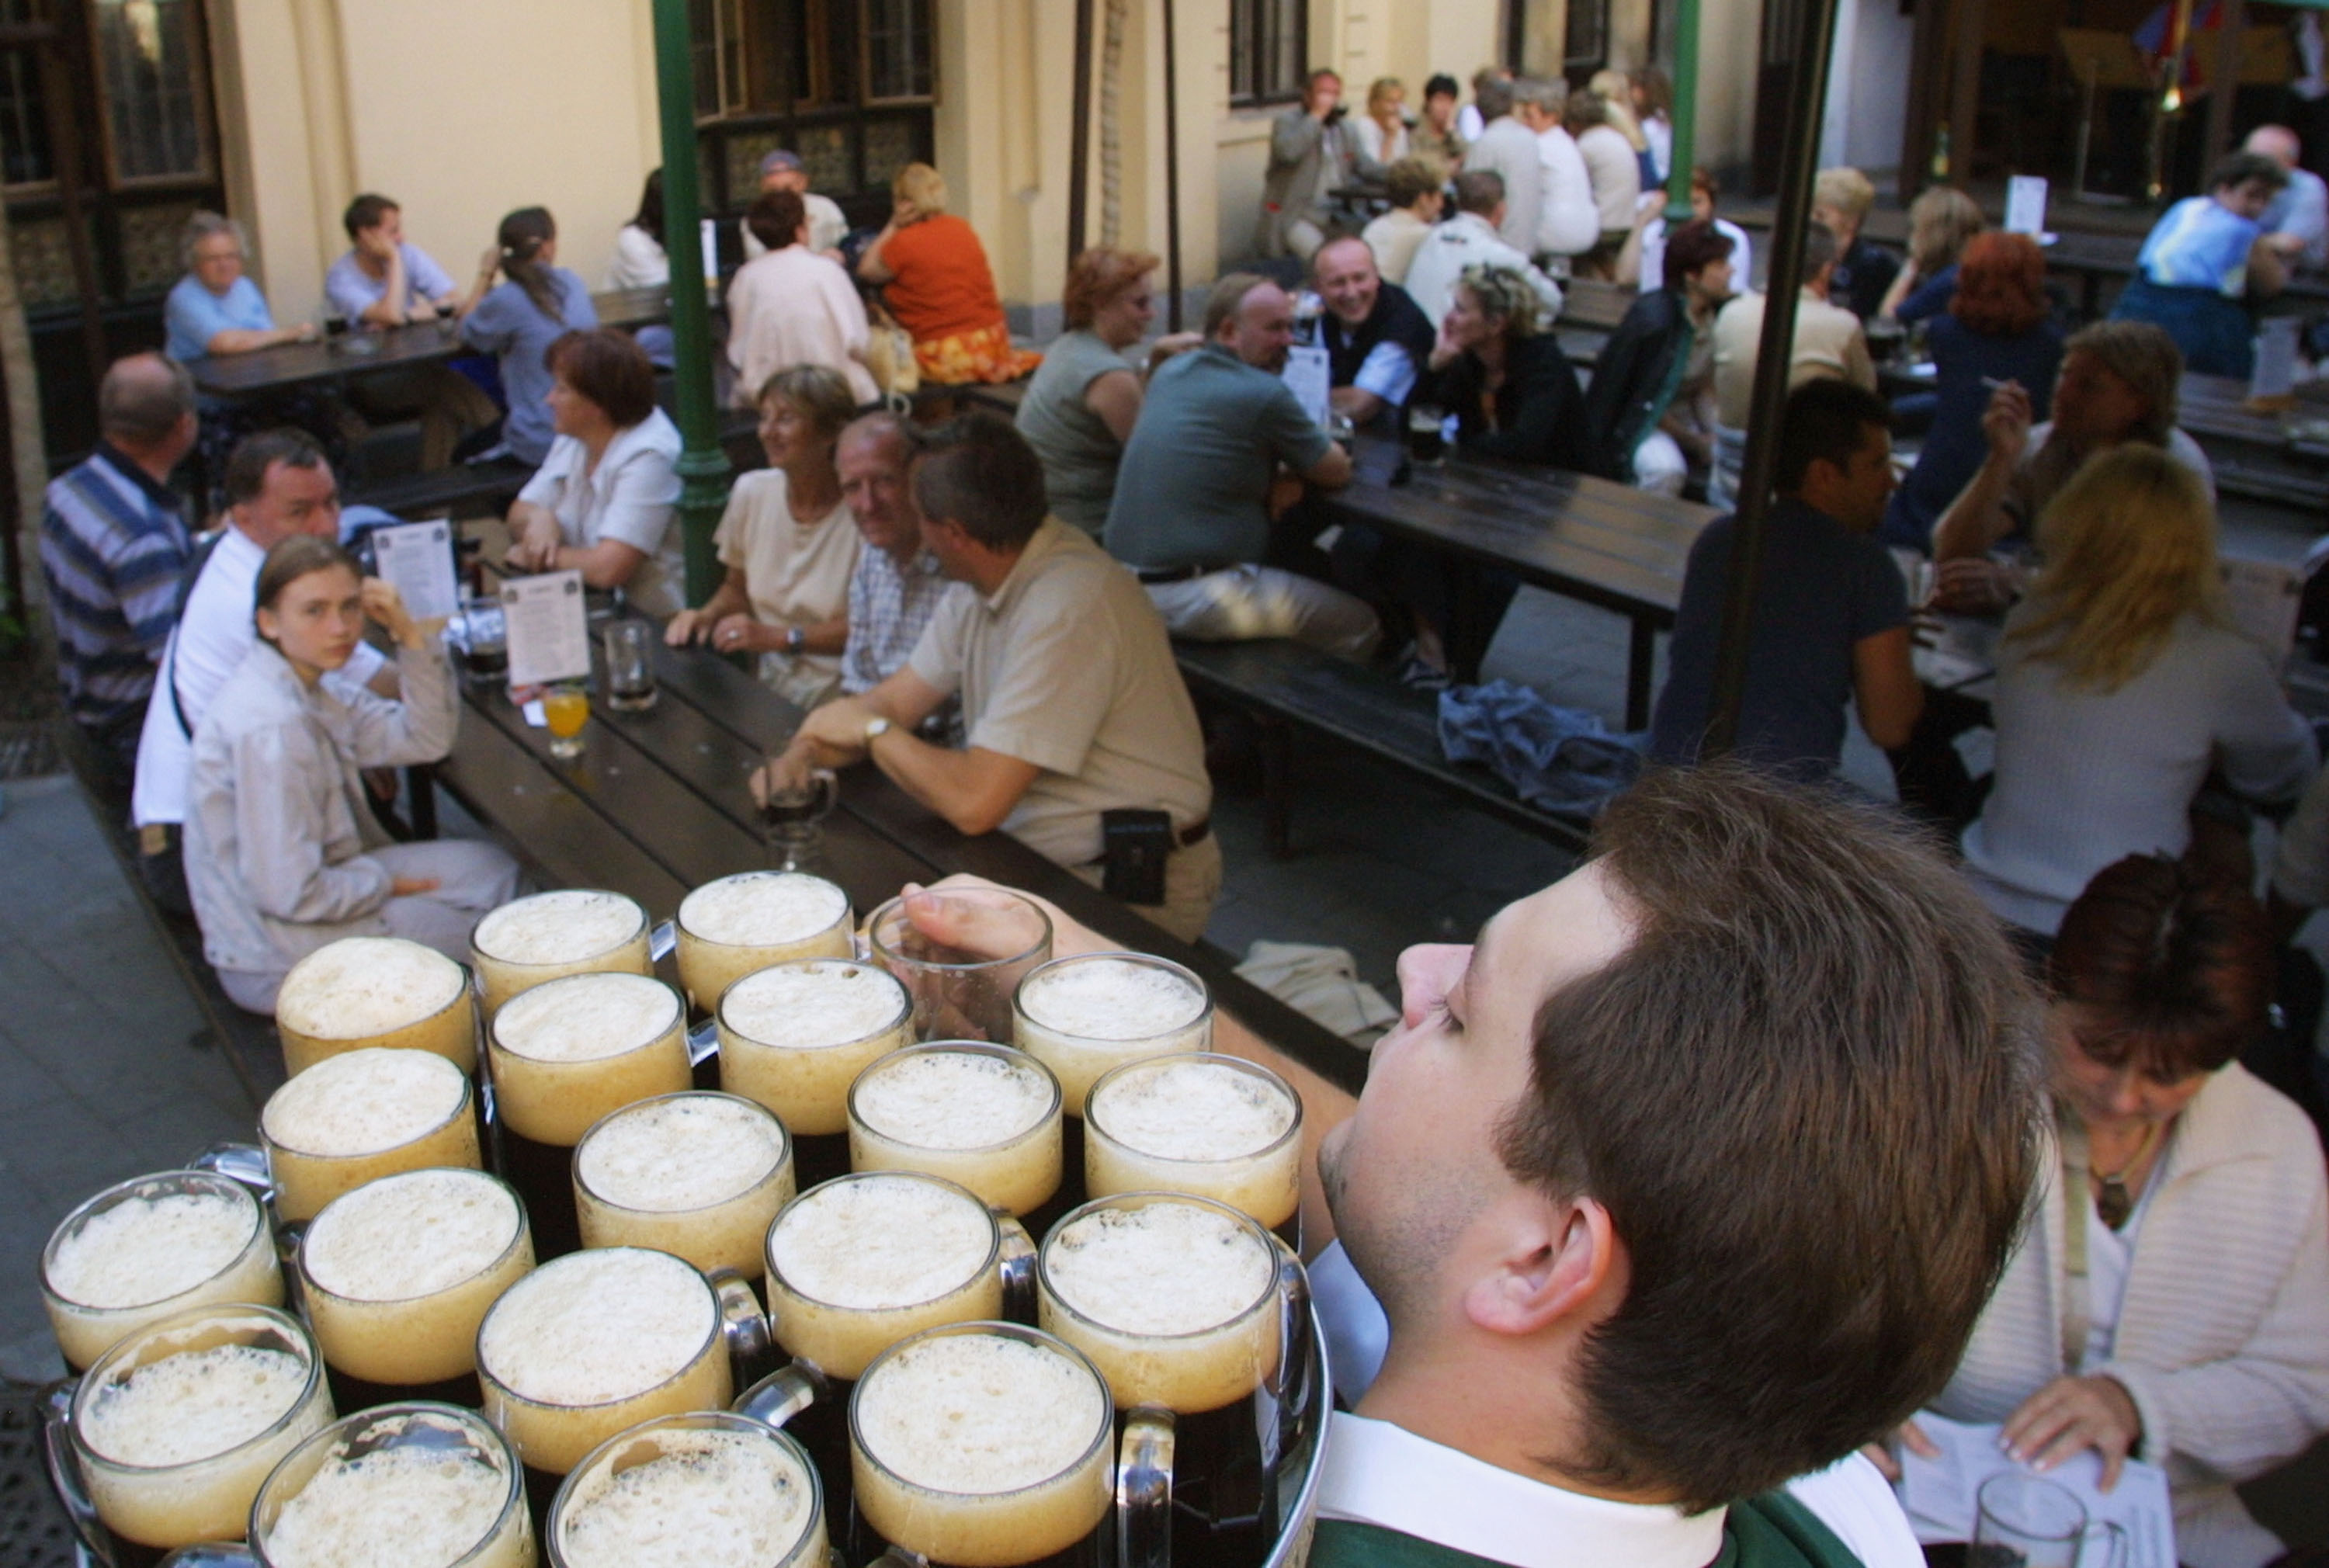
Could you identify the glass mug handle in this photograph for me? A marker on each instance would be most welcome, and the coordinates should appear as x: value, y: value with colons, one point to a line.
x: 742, y: 1327
x: 244, y: 1164
x: 662, y: 939
x: 64, y: 1469
x: 1144, y: 1488
x: 703, y: 1042
x: 826, y: 786
x: 1016, y: 1262
x: 783, y: 1395
x: 213, y: 1554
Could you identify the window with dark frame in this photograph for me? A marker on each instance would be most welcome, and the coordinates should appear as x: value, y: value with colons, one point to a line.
x: 1269, y: 50
x: 846, y: 84
x: 1585, y: 45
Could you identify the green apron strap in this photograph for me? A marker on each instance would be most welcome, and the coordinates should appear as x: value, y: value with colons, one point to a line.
x: 1776, y: 1531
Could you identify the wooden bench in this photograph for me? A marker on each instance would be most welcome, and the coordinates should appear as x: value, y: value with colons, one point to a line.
x: 1284, y: 686
x: 462, y: 490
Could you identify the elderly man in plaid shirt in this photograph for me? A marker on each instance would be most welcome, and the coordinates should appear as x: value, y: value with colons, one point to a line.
x: 895, y: 586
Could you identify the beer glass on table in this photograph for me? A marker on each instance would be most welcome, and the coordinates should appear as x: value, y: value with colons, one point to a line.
x: 1427, y: 439
x: 1215, y: 1126
x: 566, y: 709
x: 698, y: 1174
x: 165, y: 1440
x: 398, y: 1275
x: 354, y: 1118
x: 484, y: 634
x: 439, y: 1482
x: 1186, y: 1306
x: 629, y: 648
x: 742, y: 924
x: 792, y: 819
x: 960, y: 952
x: 150, y: 1247
x: 709, y: 1476
x: 794, y: 1036
x: 982, y: 1445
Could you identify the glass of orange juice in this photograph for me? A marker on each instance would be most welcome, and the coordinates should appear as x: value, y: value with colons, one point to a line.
x: 566, y: 709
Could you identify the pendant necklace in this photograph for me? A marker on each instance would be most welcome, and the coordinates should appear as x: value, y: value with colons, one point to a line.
x: 2114, y: 1203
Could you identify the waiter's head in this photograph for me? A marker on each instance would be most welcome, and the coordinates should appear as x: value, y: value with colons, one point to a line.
x: 278, y: 483
x: 1694, y: 1173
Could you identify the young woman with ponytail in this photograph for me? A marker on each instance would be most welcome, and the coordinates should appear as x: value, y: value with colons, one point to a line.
x: 537, y: 302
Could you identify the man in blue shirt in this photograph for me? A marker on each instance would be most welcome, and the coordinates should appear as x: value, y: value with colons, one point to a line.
x: 1221, y: 440
x: 385, y: 281
x: 216, y: 309
x: 1831, y: 618
x: 113, y: 544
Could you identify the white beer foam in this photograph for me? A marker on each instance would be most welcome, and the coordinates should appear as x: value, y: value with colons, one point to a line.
x: 363, y: 1102
x: 564, y: 927
x: 687, y: 1152
x: 978, y: 1413
x: 880, y: 1242
x: 586, y: 1018
x: 1178, y: 1108
x: 599, y: 1325
x: 952, y: 1099
x: 713, y: 1497
x: 1111, y: 999
x: 409, y: 1235
x: 410, y: 1506
x: 150, y: 1249
x: 1168, y: 1268
x: 193, y: 1405
x: 763, y: 908
x: 366, y: 985
x: 812, y: 1004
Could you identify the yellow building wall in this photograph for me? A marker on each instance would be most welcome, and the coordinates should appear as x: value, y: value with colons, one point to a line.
x: 463, y: 111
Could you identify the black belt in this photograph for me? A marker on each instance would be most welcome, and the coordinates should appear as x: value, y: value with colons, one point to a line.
x: 1149, y: 574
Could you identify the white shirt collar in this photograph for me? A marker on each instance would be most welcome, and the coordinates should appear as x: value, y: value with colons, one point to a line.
x: 1384, y: 1475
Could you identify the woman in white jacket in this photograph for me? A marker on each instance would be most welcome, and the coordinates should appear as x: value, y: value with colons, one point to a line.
x: 282, y: 854
x: 2198, y: 1338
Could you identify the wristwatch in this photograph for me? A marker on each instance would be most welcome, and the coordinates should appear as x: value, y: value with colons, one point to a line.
x: 874, y: 729
x: 795, y: 639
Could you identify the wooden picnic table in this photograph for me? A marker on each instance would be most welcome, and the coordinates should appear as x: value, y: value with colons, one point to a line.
x: 1585, y: 538
x: 341, y: 356
x: 659, y: 802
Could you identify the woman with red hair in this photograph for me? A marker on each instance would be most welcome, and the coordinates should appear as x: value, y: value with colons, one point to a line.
x: 1996, y: 330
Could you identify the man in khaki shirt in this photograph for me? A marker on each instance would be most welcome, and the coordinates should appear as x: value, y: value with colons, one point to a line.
x: 1828, y: 343
x: 1071, y: 703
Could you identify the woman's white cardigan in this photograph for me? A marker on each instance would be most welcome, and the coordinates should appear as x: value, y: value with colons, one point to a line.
x: 2223, y: 1332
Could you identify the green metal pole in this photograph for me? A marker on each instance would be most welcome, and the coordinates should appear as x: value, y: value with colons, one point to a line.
x: 1686, y: 115
x: 703, y: 465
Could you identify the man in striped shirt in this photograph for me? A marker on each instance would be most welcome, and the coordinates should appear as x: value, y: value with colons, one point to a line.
x: 113, y: 544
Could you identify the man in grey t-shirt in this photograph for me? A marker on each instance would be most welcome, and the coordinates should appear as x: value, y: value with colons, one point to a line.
x: 1220, y: 439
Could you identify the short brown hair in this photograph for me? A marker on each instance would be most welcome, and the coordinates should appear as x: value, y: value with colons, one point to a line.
x: 254, y: 455
x: 1409, y: 180
x: 1478, y: 191
x: 775, y: 218
x: 1693, y: 246
x: 976, y: 470
x: 1097, y: 278
x: 2001, y: 284
x: 2169, y: 964
x: 1809, y: 1094
x: 608, y: 367
x: 1228, y: 296
x: 368, y: 210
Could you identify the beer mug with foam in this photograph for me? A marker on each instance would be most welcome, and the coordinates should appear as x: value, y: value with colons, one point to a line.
x: 1083, y: 1015
x: 363, y: 991
x: 986, y: 1116
x: 717, y: 1486
x: 367, y: 1113
x: 570, y: 930
x: 152, y: 1246
x: 730, y: 928
x: 1219, y: 1127
x: 699, y: 1175
x: 168, y: 1438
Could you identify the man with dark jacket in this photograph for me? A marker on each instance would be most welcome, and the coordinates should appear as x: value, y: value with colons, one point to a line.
x: 1650, y: 407
x: 1376, y: 339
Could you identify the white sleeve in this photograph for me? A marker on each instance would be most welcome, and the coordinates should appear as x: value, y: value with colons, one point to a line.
x: 1852, y: 1498
x: 1388, y: 372
x: 1568, y: 223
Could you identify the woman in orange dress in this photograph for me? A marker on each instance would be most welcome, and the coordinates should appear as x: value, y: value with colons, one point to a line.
x: 935, y: 280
